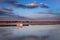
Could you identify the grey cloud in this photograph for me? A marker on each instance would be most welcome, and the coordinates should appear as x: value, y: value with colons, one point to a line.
x: 6, y: 16
x: 42, y: 5
x: 8, y: 1
x: 24, y: 6
x: 6, y: 9
x: 17, y: 5
x: 32, y: 5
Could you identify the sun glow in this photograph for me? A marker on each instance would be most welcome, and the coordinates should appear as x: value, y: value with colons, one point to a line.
x: 19, y: 24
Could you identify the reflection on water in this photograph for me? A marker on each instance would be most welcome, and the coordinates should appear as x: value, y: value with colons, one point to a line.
x: 35, y: 30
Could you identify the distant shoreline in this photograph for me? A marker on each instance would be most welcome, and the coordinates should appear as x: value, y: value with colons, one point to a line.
x: 27, y: 23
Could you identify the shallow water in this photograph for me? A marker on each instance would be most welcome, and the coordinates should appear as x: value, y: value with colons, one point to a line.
x: 53, y: 31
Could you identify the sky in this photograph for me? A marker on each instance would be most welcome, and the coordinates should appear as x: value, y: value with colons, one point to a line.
x: 50, y: 8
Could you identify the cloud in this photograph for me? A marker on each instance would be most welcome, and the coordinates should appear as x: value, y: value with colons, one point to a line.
x: 44, y: 16
x: 41, y: 16
x: 6, y: 16
x: 32, y: 5
x: 8, y: 1
x: 5, y: 9
x: 18, y: 5
x: 42, y: 5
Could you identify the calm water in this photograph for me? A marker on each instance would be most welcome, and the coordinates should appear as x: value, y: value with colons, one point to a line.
x: 53, y: 31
